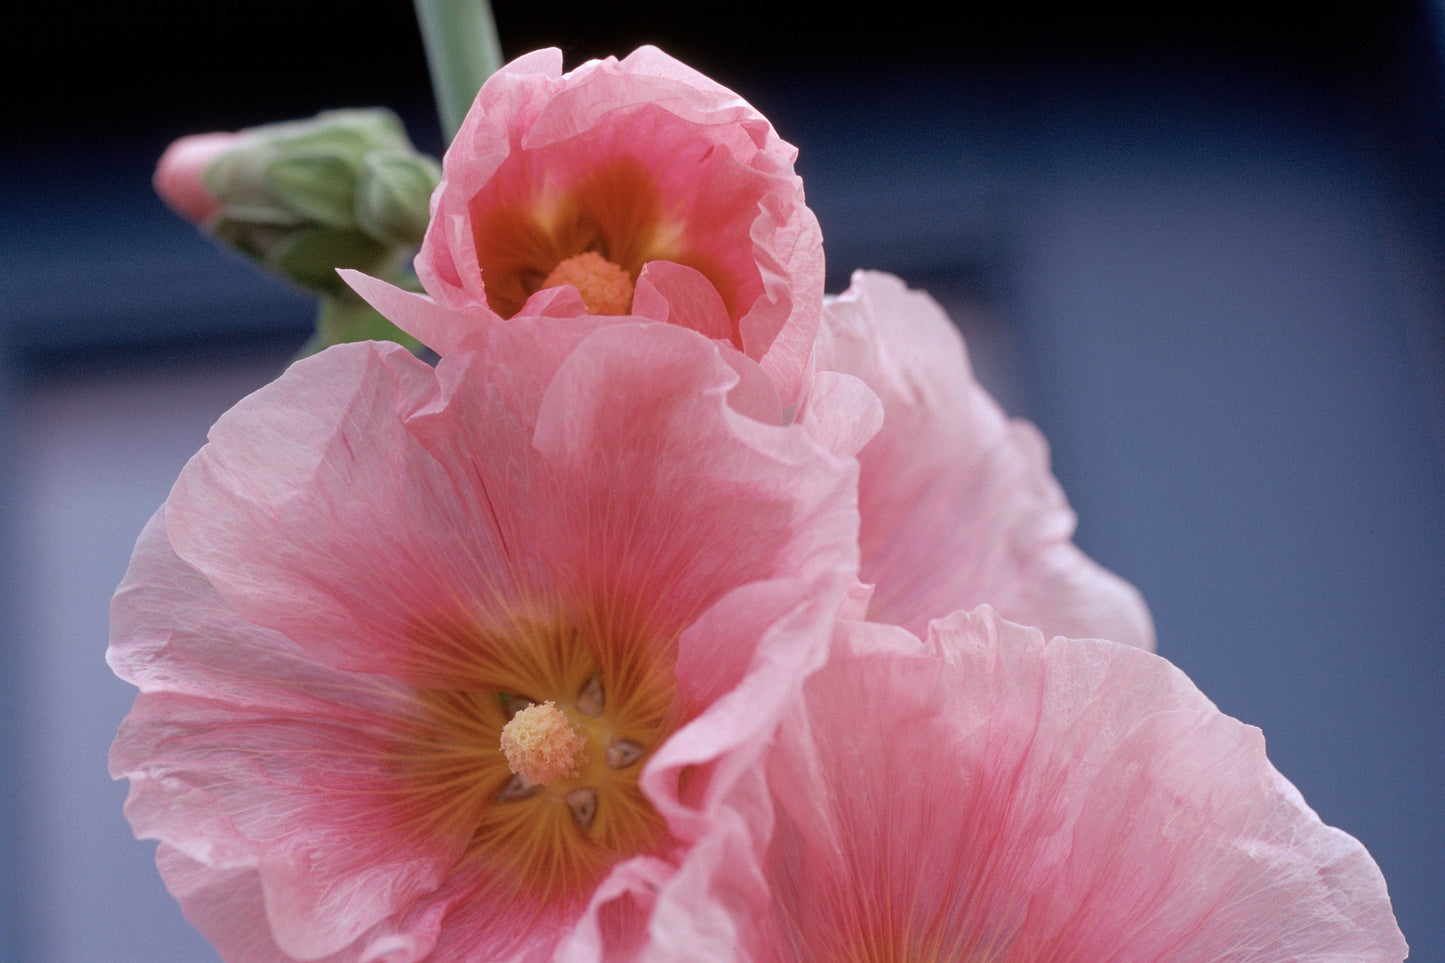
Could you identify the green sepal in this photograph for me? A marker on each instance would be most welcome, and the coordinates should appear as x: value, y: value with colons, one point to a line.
x: 319, y: 187
x: 343, y: 318
x: 393, y: 196
x: 310, y: 258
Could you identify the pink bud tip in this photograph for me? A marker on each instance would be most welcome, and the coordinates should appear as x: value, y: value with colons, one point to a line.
x: 178, y: 174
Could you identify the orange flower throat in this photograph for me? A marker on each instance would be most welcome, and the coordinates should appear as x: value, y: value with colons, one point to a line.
x: 535, y: 760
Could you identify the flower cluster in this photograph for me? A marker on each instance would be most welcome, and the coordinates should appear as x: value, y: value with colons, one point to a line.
x: 677, y: 612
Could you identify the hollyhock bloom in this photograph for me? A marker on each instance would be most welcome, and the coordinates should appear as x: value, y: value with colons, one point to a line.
x: 958, y: 505
x: 992, y: 797
x: 458, y: 661
x: 641, y: 184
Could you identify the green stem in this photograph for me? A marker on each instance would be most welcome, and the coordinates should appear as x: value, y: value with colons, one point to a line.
x: 462, y: 50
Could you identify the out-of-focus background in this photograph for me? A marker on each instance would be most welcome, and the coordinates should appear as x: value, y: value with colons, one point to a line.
x: 1204, y: 250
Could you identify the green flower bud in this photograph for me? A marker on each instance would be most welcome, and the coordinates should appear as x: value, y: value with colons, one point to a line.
x: 393, y: 196
x: 343, y: 189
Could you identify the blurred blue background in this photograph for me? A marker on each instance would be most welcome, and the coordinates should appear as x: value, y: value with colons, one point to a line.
x: 1204, y: 251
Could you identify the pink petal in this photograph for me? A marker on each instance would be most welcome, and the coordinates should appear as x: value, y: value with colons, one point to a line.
x: 228, y: 906
x: 678, y: 294
x: 773, y: 509
x: 958, y: 505
x: 998, y: 797
x: 231, y: 712
x: 841, y: 412
x: 314, y: 513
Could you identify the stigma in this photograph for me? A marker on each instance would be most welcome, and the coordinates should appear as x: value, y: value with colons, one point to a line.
x: 605, y: 287
x: 541, y: 744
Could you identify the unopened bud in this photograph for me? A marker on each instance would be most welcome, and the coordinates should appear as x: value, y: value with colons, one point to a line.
x: 342, y: 189
x: 393, y: 196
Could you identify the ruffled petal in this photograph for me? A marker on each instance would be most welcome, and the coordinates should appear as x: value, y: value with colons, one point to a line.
x: 958, y: 505
x: 993, y: 796
x: 246, y: 754
x: 229, y: 907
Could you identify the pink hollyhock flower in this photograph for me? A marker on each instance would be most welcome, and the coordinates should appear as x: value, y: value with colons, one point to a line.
x: 459, y: 662
x: 958, y: 505
x: 641, y: 184
x: 993, y: 797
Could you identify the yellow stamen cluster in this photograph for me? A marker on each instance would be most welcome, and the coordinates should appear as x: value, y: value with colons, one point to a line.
x: 541, y: 744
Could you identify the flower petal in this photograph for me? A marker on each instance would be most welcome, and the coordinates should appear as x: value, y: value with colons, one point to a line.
x: 677, y: 294
x: 997, y: 797
x: 232, y: 713
x: 958, y: 504
x: 228, y: 906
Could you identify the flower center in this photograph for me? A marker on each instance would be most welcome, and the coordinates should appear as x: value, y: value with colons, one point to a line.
x: 534, y: 756
x: 540, y: 744
x: 526, y: 231
x: 605, y: 287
